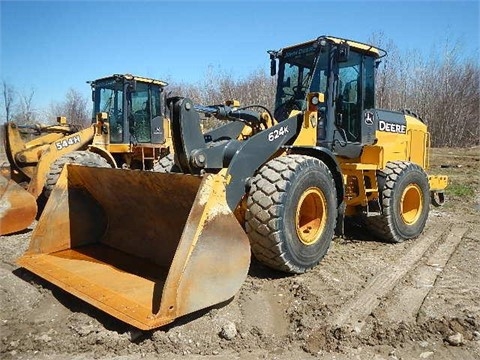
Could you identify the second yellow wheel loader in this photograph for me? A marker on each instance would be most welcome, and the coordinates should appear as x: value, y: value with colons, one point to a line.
x: 130, y: 130
x: 150, y: 247
x: 29, y: 163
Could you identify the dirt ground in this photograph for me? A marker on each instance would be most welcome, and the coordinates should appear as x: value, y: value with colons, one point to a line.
x: 366, y: 300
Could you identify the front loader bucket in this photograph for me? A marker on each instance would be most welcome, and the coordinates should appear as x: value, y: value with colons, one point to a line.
x: 145, y: 247
x: 17, y: 207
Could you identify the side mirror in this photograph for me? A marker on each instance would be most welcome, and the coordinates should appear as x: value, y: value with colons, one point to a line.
x: 273, y: 66
x: 343, y: 52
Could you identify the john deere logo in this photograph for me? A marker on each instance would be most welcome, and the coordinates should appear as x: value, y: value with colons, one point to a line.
x: 391, y: 127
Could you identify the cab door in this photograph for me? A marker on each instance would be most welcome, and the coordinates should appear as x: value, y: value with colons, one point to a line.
x: 355, y: 93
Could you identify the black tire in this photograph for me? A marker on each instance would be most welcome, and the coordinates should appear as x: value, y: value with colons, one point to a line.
x: 166, y: 165
x: 291, y: 213
x: 404, y: 199
x: 86, y: 158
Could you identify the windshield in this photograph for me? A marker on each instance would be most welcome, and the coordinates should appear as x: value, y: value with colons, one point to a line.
x: 296, y: 68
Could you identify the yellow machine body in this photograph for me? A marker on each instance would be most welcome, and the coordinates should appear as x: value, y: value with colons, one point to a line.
x: 413, y: 146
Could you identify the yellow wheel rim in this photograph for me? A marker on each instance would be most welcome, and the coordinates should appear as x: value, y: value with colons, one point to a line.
x: 311, y: 216
x: 411, y: 204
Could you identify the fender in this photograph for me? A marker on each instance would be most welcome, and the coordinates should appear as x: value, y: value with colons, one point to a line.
x: 103, y: 153
x: 325, y: 155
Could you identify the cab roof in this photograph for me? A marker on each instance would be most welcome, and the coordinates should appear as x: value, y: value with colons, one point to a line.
x: 372, y: 50
x: 133, y: 77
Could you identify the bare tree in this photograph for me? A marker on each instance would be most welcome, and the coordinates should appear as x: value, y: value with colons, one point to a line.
x: 219, y: 86
x: 8, y: 96
x: 442, y: 88
x: 25, y: 113
x: 75, y: 108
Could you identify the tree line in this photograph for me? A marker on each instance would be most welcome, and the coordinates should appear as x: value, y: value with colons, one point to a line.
x: 19, y: 107
x: 443, y: 89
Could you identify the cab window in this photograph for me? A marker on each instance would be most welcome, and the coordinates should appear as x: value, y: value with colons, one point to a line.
x: 349, y: 99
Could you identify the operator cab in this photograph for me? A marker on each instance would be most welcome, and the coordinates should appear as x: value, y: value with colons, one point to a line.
x: 134, y: 107
x: 343, y: 71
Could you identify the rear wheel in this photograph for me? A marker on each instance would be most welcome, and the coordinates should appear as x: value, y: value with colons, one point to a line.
x: 291, y: 213
x: 405, y: 202
x: 86, y: 158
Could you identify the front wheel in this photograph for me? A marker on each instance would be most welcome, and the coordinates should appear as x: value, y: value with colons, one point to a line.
x: 291, y: 213
x: 166, y: 164
x: 86, y: 158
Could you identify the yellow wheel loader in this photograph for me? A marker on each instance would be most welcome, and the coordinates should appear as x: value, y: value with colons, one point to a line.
x: 149, y: 247
x: 30, y: 161
x: 130, y: 130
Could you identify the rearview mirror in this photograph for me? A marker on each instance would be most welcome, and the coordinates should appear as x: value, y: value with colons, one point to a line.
x: 343, y: 52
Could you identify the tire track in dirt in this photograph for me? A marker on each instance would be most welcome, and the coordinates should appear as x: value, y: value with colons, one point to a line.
x: 355, y: 312
x: 408, y: 300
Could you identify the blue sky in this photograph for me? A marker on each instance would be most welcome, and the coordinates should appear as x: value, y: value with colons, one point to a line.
x: 51, y: 46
